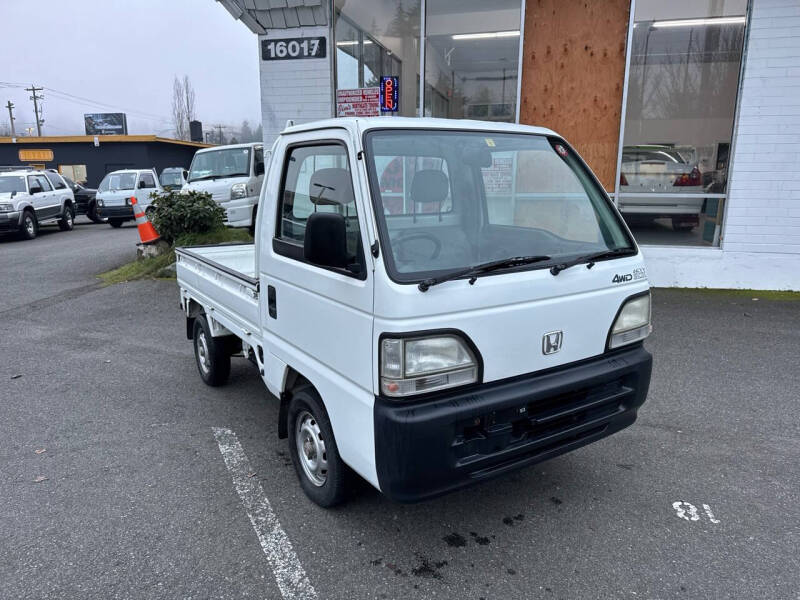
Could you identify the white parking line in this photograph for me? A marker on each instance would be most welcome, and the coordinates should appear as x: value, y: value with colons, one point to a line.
x: 289, y: 573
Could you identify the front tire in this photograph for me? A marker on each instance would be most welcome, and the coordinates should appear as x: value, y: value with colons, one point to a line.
x: 115, y: 223
x: 30, y: 226
x: 323, y: 475
x: 91, y: 212
x: 211, y: 354
x: 67, y: 221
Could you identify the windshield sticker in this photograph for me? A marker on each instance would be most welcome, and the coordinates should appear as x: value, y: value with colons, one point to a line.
x: 562, y: 152
x: 489, y: 142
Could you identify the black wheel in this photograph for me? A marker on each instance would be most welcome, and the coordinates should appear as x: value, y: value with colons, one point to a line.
x: 677, y: 225
x: 211, y: 354
x: 115, y: 223
x: 323, y: 475
x: 30, y: 226
x: 91, y: 212
x: 67, y: 220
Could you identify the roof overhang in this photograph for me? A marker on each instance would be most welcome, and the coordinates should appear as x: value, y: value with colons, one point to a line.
x: 262, y: 15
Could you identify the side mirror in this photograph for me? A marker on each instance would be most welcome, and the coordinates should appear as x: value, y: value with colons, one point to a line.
x: 326, y: 240
x: 259, y: 168
x: 36, y: 189
x: 142, y: 184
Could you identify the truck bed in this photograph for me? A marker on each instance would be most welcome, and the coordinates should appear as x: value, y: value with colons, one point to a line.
x: 223, y: 279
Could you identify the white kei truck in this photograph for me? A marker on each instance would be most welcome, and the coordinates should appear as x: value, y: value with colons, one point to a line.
x: 233, y: 175
x: 432, y: 303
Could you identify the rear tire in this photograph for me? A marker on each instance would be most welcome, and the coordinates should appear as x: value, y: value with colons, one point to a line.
x: 67, y: 221
x: 323, y: 475
x: 115, y: 223
x: 30, y: 226
x: 211, y: 354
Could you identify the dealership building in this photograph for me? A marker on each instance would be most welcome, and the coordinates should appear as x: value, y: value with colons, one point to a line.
x: 688, y: 111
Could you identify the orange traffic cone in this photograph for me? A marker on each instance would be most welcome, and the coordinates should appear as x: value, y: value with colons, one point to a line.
x: 147, y: 233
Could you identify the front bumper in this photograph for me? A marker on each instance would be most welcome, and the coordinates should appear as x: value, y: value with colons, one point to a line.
x: 124, y: 213
x: 428, y: 448
x: 10, y: 221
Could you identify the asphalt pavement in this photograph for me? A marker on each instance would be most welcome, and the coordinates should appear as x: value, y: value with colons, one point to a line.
x: 112, y: 484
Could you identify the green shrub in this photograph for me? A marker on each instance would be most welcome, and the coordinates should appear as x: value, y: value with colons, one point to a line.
x: 178, y: 213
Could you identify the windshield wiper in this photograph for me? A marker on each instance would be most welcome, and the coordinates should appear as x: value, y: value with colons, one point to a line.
x: 476, y: 270
x: 589, y: 259
x: 203, y: 178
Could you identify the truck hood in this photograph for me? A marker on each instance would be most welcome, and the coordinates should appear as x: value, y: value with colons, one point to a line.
x: 220, y: 189
x: 507, y: 315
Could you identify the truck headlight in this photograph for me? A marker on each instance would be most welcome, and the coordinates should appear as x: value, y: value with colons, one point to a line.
x: 412, y: 366
x: 6, y: 207
x: 100, y: 203
x: 128, y: 201
x: 632, y: 323
x: 238, y: 190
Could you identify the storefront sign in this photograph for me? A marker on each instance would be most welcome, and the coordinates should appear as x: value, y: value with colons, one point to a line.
x: 293, y: 48
x: 361, y: 102
x: 389, y: 93
x: 29, y: 154
x: 106, y: 124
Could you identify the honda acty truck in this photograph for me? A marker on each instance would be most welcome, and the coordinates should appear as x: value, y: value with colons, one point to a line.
x: 431, y: 303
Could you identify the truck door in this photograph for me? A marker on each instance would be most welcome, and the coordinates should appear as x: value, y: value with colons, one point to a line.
x: 145, y: 187
x: 321, y: 317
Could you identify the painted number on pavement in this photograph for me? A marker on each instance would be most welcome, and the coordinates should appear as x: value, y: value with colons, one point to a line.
x: 689, y: 512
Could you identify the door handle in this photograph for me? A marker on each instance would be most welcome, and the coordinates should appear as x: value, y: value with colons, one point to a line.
x: 272, y: 305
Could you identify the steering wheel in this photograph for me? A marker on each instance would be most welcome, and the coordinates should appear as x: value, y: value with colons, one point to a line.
x: 401, y: 241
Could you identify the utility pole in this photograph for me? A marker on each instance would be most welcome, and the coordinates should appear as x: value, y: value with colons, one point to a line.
x: 10, y: 107
x: 39, y: 122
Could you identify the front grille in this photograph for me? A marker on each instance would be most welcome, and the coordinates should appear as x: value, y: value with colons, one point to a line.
x: 539, y: 425
x: 8, y: 226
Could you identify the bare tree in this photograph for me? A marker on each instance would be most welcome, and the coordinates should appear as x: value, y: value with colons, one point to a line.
x: 188, y: 99
x: 183, y: 106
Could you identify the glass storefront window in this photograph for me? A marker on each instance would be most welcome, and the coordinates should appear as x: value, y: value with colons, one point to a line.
x: 375, y: 38
x: 685, y: 60
x: 472, y: 59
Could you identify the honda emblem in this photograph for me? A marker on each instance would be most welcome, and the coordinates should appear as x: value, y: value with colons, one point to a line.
x: 551, y: 342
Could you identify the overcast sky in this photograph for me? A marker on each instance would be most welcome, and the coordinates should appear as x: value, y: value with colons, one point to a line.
x: 121, y: 56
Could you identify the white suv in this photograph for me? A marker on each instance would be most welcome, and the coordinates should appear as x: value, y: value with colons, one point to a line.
x: 30, y: 198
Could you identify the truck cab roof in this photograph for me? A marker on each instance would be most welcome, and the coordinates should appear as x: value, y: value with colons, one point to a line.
x: 356, y: 124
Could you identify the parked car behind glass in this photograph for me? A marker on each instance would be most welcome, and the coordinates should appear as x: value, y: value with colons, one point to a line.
x: 661, y: 170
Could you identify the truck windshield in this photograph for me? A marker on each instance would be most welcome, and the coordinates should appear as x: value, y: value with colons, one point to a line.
x: 449, y: 200
x: 117, y: 181
x: 171, y: 178
x: 12, y: 183
x: 216, y: 164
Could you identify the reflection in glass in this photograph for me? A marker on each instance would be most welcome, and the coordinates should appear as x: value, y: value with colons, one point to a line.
x: 376, y: 38
x: 471, y: 59
x: 684, y: 75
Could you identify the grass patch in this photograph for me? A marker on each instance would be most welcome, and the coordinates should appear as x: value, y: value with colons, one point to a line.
x: 744, y: 294
x: 150, y: 268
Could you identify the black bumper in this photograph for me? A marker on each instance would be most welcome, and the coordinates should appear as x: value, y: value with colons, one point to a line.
x: 122, y: 213
x: 10, y: 222
x: 432, y: 447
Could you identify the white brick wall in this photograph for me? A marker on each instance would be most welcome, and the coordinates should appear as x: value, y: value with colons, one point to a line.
x: 294, y: 89
x: 764, y: 189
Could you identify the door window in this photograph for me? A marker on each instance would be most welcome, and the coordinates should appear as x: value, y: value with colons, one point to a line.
x: 55, y: 180
x: 316, y: 179
x: 147, y: 180
x: 44, y: 183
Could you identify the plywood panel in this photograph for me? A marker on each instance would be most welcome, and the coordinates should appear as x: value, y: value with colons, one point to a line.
x: 572, y: 74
